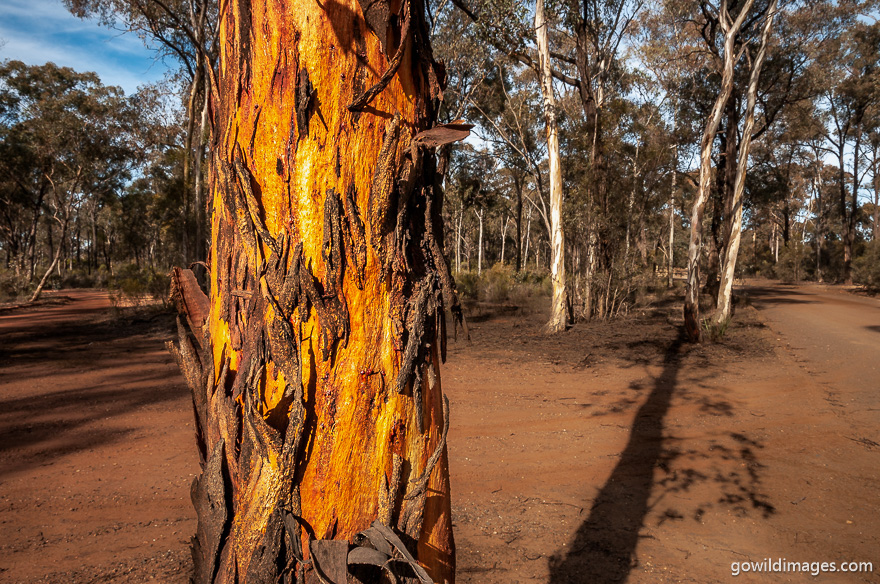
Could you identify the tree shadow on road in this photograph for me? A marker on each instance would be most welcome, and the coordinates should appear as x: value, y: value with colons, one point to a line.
x: 603, y: 550
x: 761, y: 297
x: 66, y: 385
x: 600, y: 552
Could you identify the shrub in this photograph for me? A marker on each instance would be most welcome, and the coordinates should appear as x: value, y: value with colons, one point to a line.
x: 866, y: 267
x: 134, y: 286
x: 793, y: 262
x: 11, y: 288
x: 500, y: 284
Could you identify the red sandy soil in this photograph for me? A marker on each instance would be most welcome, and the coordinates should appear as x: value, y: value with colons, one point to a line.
x: 613, y: 452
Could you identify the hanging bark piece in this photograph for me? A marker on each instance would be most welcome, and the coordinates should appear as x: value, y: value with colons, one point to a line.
x: 305, y: 95
x: 330, y: 559
x: 416, y: 316
x: 377, y: 13
x: 355, y: 236
x: 382, y: 188
x: 362, y: 101
x: 443, y: 134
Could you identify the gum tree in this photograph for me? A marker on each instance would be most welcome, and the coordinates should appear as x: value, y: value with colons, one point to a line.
x: 314, y: 360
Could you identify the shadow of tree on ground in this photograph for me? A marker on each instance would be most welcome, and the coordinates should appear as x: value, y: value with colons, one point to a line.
x: 600, y: 554
x: 603, y: 550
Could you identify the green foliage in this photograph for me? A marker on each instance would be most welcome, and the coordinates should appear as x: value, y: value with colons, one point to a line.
x: 715, y: 330
x: 136, y: 286
x: 794, y: 263
x: 866, y: 267
x: 502, y: 285
x: 11, y: 288
x: 82, y: 163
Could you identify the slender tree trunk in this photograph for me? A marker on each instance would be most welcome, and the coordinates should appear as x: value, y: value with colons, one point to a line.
x: 65, y: 221
x: 503, y: 238
x: 199, y: 252
x: 722, y: 220
x: 692, y: 292
x: 519, y: 217
x: 31, y: 240
x: 558, y: 320
x: 528, y: 237
x: 458, y: 237
x: 850, y: 218
x: 590, y: 272
x: 728, y: 267
x: 670, y: 257
x: 480, y: 244
x: 774, y: 242
x: 94, y: 246
x: 844, y: 215
x: 48, y: 273
x: 630, y: 202
x: 875, y: 219
x: 314, y: 363
x: 820, y: 217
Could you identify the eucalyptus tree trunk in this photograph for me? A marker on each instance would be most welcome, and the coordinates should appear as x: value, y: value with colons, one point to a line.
x: 728, y: 265
x: 820, y: 214
x: 849, y: 234
x: 875, y: 167
x: 503, y: 237
x: 480, y: 242
x: 204, y: 132
x: 558, y: 317
x: 314, y: 361
x: 670, y: 258
x: 730, y: 28
x: 55, y: 258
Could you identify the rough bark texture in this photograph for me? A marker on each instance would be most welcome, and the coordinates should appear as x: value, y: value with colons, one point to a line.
x: 558, y: 320
x: 314, y: 362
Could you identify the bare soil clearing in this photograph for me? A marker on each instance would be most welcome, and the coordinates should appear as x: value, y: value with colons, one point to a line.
x: 613, y: 452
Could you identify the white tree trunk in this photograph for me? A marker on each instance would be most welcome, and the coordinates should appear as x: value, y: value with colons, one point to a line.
x: 558, y: 320
x: 728, y: 265
x: 670, y: 258
x: 480, y: 244
x: 528, y: 238
x: 503, y: 238
x: 692, y: 292
x: 458, y: 242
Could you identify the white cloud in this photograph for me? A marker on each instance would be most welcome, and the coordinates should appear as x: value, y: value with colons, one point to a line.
x: 37, y: 31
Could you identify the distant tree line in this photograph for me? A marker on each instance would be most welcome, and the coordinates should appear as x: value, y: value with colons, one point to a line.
x: 711, y: 139
x: 744, y: 128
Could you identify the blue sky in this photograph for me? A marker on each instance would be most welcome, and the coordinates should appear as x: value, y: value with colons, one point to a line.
x: 37, y: 31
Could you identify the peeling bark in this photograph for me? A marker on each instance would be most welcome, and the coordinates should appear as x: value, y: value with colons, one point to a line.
x: 314, y: 360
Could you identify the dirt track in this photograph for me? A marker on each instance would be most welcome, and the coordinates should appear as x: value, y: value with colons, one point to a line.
x: 613, y: 452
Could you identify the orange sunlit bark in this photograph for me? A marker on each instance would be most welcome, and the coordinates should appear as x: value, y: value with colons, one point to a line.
x: 314, y: 363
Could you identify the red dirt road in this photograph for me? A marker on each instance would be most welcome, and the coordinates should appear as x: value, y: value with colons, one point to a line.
x: 611, y: 453
x: 95, y: 449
